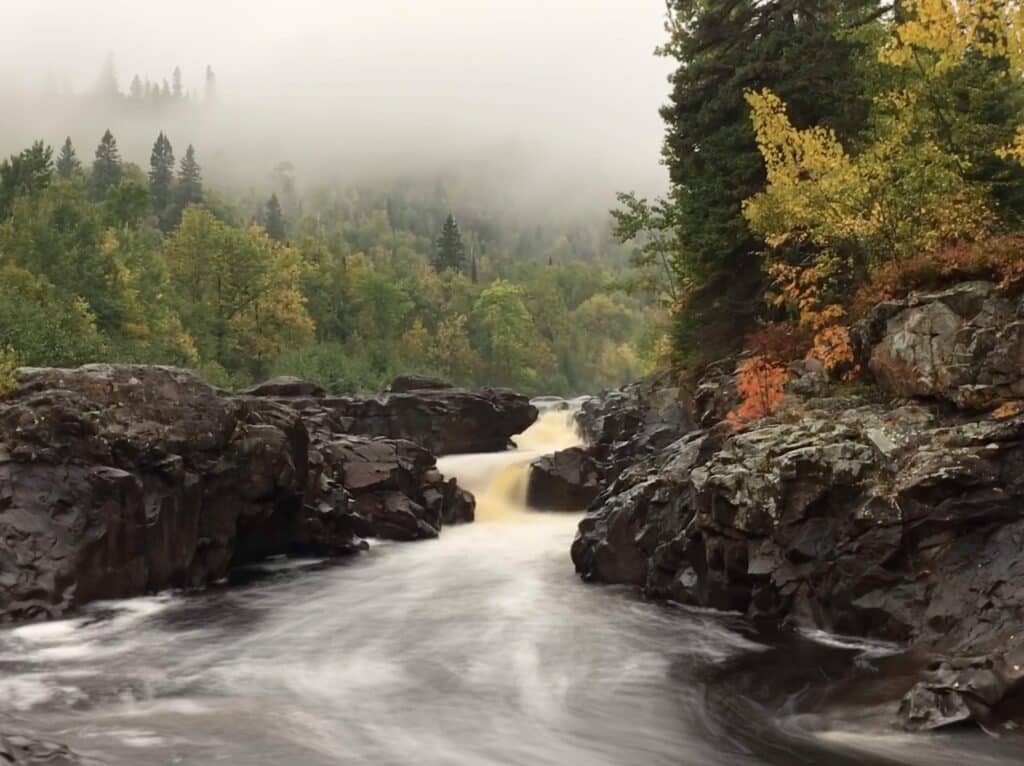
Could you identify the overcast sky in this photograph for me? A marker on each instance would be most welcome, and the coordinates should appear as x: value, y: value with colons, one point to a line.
x: 575, y: 75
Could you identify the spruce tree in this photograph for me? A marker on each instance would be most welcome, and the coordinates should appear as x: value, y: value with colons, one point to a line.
x: 176, y: 88
x: 161, y: 176
x: 211, y: 85
x: 450, y: 252
x: 725, y: 48
x: 106, y: 169
x: 135, y: 89
x: 190, y: 180
x: 274, y: 219
x: 68, y: 165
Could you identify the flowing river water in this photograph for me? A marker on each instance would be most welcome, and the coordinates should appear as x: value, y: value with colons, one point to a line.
x: 479, y: 649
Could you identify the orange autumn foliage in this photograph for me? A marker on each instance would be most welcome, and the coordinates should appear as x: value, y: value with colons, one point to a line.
x: 761, y: 383
x: 804, y: 291
x: 999, y: 259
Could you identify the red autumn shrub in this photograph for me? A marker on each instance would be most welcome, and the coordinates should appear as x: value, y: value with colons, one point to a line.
x: 761, y: 383
x: 999, y: 259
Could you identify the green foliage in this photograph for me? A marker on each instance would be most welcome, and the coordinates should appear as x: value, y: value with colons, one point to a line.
x: 25, y: 174
x: 451, y: 252
x: 161, y: 178
x: 190, y: 180
x: 107, y: 168
x: 364, y: 293
x: 68, y: 164
x: 9, y: 364
x: 274, y: 220
x: 41, y: 327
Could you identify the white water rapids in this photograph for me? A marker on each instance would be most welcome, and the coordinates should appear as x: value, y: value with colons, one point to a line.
x: 479, y: 649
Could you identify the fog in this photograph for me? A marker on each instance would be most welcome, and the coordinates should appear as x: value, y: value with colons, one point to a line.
x: 551, y: 99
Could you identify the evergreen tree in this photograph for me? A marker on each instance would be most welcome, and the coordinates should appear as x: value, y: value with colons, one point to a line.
x: 726, y: 48
x: 274, y: 219
x: 450, y: 252
x: 68, y: 165
x: 176, y: 88
x: 161, y: 175
x: 26, y: 173
x: 473, y: 276
x: 190, y: 180
x: 135, y: 89
x: 211, y: 85
x: 106, y: 169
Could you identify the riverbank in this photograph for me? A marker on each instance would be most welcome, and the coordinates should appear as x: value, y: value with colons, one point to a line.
x: 889, y: 509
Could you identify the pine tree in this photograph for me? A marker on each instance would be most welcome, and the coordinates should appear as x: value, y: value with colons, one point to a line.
x: 68, y: 165
x: 176, y: 88
x: 450, y: 252
x: 161, y: 175
x: 473, y: 276
x: 106, y: 169
x: 190, y: 180
x: 274, y: 219
x: 135, y: 90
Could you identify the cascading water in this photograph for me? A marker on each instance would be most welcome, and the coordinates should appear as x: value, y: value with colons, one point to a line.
x: 479, y: 649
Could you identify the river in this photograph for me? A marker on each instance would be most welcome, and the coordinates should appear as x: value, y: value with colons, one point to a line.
x: 481, y: 648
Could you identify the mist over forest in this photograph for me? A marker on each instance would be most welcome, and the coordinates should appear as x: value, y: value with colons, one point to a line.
x: 491, y: 94
x: 388, y: 189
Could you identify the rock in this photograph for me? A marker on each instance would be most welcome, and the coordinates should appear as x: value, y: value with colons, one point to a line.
x: 286, y: 386
x: 24, y: 751
x: 569, y: 480
x: 859, y: 518
x: 443, y: 421
x: 964, y: 345
x: 403, y: 384
x: 631, y: 423
x: 117, y: 480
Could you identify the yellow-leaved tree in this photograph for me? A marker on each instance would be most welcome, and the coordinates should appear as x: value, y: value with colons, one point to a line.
x: 830, y: 214
x: 238, y: 291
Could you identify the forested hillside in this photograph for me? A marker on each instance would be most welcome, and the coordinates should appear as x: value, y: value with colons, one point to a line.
x: 104, y: 259
x: 827, y: 155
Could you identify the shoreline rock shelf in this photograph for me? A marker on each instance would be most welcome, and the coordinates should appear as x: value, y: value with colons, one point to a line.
x: 118, y: 480
x: 860, y: 515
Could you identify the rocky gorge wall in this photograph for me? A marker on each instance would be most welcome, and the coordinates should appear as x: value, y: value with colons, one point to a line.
x: 894, y: 513
x: 118, y: 480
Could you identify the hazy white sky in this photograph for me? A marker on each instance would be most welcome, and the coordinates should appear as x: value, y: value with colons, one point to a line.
x: 570, y: 73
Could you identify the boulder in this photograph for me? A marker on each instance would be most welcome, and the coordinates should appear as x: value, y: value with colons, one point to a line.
x: 18, y: 750
x: 403, y: 384
x: 117, y: 480
x: 569, y: 480
x: 443, y: 421
x: 286, y: 386
x: 860, y: 518
x: 628, y: 424
x: 964, y: 345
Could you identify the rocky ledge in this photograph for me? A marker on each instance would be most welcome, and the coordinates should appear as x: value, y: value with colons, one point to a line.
x: 439, y: 417
x: 867, y: 515
x: 121, y: 480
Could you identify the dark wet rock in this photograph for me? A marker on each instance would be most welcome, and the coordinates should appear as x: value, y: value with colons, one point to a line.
x: 286, y: 386
x: 964, y: 345
x: 406, y: 383
x: 443, y: 421
x: 860, y: 518
x: 569, y: 480
x: 121, y: 480
x: 25, y: 751
x: 628, y: 424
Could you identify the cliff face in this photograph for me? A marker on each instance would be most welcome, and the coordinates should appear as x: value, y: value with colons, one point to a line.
x: 865, y: 515
x: 120, y: 480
